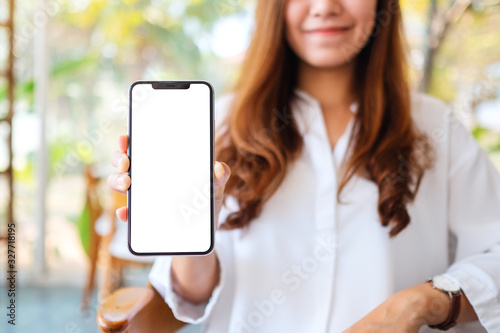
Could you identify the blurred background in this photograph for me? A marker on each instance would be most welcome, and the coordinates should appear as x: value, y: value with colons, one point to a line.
x: 65, y: 69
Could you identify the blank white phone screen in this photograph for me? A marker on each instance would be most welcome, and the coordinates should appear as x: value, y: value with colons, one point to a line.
x: 170, y: 197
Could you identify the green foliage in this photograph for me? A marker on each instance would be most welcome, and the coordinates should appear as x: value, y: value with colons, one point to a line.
x: 26, y: 173
x: 488, y: 139
x: 442, y: 84
x: 84, y: 229
x: 165, y: 31
x: 495, y: 148
x: 66, y: 156
x: 25, y: 90
x: 479, y: 132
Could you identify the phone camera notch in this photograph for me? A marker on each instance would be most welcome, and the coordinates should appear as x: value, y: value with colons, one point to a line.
x: 170, y: 85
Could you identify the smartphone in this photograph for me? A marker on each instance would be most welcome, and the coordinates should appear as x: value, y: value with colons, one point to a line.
x: 171, y: 150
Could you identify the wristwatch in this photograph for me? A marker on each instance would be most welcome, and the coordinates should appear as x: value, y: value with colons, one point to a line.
x: 450, y: 287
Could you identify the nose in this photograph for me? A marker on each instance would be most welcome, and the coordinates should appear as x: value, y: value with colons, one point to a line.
x: 325, y: 8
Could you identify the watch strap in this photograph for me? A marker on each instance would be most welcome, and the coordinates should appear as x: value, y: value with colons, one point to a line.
x: 451, y: 320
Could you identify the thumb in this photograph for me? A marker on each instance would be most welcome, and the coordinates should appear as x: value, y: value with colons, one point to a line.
x: 222, y: 173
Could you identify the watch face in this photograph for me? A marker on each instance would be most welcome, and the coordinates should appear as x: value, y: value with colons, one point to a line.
x: 445, y: 283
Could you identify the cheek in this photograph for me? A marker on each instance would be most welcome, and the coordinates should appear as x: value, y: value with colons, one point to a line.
x: 362, y: 10
x: 294, y: 16
x: 365, y: 14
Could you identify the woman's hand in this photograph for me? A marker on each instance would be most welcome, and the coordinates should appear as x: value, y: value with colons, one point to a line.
x: 120, y: 181
x: 406, y: 311
x: 193, y: 277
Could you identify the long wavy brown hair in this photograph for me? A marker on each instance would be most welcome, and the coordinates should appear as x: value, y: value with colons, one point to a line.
x: 385, y: 147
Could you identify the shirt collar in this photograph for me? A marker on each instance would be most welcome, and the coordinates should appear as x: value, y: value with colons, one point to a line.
x: 313, y: 128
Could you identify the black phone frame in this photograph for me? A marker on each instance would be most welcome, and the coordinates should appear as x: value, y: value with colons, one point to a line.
x: 178, y: 84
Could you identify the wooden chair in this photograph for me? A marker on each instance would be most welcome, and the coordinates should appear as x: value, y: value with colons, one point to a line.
x: 129, y: 309
x: 101, y: 253
x: 115, y: 253
x: 137, y: 310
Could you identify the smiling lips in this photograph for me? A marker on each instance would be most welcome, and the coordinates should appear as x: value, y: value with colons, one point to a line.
x: 328, y: 31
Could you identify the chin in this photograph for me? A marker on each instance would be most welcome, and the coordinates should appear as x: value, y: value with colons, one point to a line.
x: 328, y: 61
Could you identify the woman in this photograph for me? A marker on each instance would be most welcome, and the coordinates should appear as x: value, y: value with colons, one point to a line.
x: 341, y: 193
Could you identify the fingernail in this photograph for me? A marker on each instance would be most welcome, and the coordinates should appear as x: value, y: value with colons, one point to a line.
x: 219, y: 170
x: 120, y: 161
x: 120, y: 180
x: 117, y: 215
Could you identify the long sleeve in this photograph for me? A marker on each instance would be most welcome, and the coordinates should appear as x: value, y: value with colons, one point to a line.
x: 183, y: 310
x: 474, y: 212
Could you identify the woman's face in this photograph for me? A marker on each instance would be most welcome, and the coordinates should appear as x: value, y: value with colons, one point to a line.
x: 329, y: 33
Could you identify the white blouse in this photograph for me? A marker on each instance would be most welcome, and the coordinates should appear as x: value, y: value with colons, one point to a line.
x: 309, y: 264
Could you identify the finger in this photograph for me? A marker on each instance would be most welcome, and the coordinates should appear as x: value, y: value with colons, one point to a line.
x: 222, y: 172
x: 119, y: 182
x: 120, y: 161
x: 122, y: 213
x: 123, y: 142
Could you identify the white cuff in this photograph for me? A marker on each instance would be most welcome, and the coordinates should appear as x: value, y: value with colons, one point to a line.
x: 481, y: 291
x: 183, y: 310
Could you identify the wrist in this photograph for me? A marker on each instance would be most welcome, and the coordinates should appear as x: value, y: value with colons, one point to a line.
x: 430, y: 306
x: 195, y: 277
x: 437, y: 305
x: 421, y: 305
